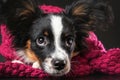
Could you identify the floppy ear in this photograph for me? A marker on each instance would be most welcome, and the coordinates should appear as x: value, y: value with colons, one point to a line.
x: 88, y: 15
x: 19, y: 16
x: 91, y: 13
x: 20, y: 10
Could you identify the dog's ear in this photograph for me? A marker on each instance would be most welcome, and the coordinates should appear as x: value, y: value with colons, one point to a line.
x: 19, y: 10
x: 88, y: 15
x: 91, y: 13
x: 19, y: 16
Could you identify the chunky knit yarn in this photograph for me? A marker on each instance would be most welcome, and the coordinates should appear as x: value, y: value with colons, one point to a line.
x: 95, y: 59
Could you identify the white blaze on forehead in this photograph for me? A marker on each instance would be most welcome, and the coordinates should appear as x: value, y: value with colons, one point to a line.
x: 56, y: 23
x: 57, y: 27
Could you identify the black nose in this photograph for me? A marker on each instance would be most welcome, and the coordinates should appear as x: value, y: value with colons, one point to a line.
x: 58, y: 64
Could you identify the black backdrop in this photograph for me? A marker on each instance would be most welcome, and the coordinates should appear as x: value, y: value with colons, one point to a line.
x: 111, y: 37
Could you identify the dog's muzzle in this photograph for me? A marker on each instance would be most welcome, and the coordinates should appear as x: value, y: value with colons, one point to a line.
x: 59, y: 64
x: 56, y: 66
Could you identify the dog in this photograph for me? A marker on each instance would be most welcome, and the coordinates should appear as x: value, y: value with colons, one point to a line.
x: 50, y: 41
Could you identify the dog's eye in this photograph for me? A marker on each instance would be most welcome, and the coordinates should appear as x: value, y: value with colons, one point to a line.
x: 41, y: 41
x: 69, y: 41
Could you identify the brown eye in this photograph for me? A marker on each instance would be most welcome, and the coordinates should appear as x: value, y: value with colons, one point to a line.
x: 41, y: 41
x: 69, y: 41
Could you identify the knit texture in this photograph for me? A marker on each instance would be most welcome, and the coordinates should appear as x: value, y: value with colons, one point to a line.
x: 95, y: 59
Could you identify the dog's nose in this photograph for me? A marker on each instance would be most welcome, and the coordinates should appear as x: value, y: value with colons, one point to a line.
x: 58, y: 64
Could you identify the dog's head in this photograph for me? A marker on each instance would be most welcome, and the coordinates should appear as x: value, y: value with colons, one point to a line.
x: 53, y: 39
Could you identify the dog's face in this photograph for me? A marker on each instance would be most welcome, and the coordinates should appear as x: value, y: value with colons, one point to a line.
x: 53, y: 39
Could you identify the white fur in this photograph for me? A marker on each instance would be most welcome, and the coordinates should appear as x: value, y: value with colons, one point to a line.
x: 17, y: 61
x: 36, y: 65
x: 57, y: 28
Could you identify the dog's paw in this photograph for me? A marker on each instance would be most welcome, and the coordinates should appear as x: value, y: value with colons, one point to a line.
x: 36, y: 65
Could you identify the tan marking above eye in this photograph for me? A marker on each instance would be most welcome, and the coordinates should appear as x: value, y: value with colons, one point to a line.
x: 46, y: 33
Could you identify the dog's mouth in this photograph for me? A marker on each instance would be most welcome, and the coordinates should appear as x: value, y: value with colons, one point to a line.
x: 56, y: 67
x: 55, y: 72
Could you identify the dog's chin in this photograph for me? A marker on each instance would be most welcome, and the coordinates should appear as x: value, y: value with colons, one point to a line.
x: 54, y: 72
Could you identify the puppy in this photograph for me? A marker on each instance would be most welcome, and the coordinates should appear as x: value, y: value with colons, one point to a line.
x: 49, y: 41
